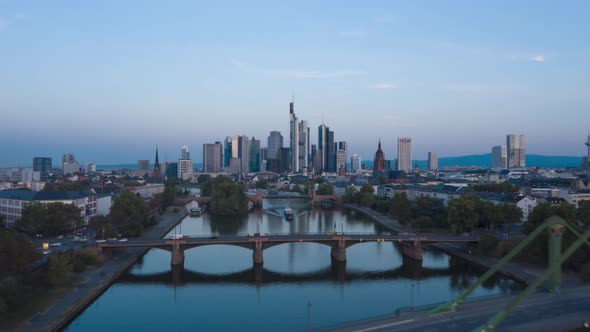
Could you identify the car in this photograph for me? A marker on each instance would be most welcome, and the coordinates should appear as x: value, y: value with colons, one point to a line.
x: 214, y: 237
x: 46, y: 252
x: 100, y: 241
x: 112, y: 239
x: 123, y: 240
x: 56, y: 244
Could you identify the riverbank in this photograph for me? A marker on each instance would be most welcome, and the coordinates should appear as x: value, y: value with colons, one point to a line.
x: 512, y: 270
x: 94, y: 283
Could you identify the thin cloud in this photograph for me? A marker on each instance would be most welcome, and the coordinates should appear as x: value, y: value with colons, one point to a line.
x: 537, y: 58
x: 386, y: 18
x: 395, y: 121
x: 292, y: 73
x: 384, y: 86
x: 353, y: 33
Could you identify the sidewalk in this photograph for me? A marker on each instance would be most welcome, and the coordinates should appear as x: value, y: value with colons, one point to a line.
x: 96, y: 282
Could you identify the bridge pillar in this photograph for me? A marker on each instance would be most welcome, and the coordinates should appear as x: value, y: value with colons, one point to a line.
x: 339, y: 271
x: 412, y: 250
x: 338, y: 252
x: 257, y: 256
x: 177, y: 271
x: 257, y: 272
x: 177, y: 255
x: 555, y: 237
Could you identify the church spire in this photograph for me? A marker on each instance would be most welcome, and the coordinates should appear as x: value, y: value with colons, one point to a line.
x: 156, y: 164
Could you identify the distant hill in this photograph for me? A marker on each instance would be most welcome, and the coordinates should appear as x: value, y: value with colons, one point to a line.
x: 485, y: 160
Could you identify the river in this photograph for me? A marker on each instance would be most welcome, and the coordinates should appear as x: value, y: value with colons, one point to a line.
x: 297, y: 288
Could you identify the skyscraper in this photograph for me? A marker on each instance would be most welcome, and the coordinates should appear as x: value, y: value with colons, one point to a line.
x: 303, y: 149
x: 588, y: 157
x: 293, y: 137
x: 432, y: 161
x: 255, y: 155
x: 275, y: 142
x: 355, y: 162
x: 70, y: 165
x: 404, y: 154
x: 244, y: 153
x: 341, y: 157
x: 41, y: 164
x: 515, y: 150
x: 327, y: 149
x: 212, y: 154
x: 499, y: 156
x: 185, y: 153
x: 379, y: 161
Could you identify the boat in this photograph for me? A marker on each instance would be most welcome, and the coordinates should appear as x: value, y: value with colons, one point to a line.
x: 195, y: 212
x: 288, y: 214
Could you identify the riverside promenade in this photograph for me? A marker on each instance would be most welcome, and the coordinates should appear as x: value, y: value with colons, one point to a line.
x: 95, y: 282
x: 512, y: 270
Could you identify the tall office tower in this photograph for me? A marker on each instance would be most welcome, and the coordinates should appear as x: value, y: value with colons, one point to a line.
x: 432, y: 161
x: 275, y: 142
x: 244, y: 153
x: 341, y: 157
x: 284, y: 166
x: 90, y: 168
x: 171, y: 170
x: 41, y: 164
x: 143, y: 165
x: 316, y: 159
x: 587, y: 163
x: 293, y: 137
x: 499, y: 156
x: 212, y: 154
x: 254, y: 155
x: 185, y: 169
x: 157, y: 172
x: 355, y: 162
x: 264, y: 159
x: 379, y: 162
x: 185, y: 153
x: 327, y: 149
x: 69, y: 158
x: 515, y: 150
x: 303, y: 149
x: 404, y: 154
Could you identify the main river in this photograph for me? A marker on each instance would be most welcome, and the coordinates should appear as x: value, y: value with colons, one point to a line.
x: 298, y: 287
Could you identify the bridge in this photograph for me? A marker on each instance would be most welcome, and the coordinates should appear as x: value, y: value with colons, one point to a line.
x: 411, y: 243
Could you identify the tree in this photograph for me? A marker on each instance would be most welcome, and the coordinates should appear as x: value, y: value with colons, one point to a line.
x: 17, y: 253
x: 58, y: 270
x: 52, y: 218
x: 325, y: 189
x: 351, y: 195
x: 66, y: 186
x: 401, y: 208
x: 433, y: 208
x: 227, y: 197
x: 583, y: 212
x: 129, y: 213
x: 463, y: 213
x: 203, y: 178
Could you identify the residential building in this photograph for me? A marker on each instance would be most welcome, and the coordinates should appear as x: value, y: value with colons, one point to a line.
x: 355, y: 163
x: 148, y: 190
x: 526, y: 204
x: 90, y: 168
x: 515, y: 150
x: 143, y: 166
x: 432, y: 161
x: 212, y: 157
x: 404, y: 154
x: 499, y: 157
x: 41, y: 164
x: 185, y: 169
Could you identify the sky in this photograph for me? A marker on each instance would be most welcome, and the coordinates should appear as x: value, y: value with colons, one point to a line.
x: 108, y: 80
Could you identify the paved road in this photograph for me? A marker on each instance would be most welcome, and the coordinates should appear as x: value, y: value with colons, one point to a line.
x: 540, y: 312
x: 93, y: 278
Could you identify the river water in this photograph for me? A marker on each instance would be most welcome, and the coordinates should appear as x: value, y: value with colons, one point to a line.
x: 298, y: 287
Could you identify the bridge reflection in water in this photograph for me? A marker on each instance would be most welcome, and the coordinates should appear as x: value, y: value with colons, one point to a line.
x: 410, y: 269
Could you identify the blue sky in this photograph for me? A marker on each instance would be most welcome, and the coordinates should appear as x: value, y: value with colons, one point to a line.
x: 107, y: 80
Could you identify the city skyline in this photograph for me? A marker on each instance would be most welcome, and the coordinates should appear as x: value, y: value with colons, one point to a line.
x: 105, y: 94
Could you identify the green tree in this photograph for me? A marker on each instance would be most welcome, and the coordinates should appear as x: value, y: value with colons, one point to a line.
x: 583, y: 212
x: 401, y: 208
x: 227, y: 197
x: 201, y: 179
x: 58, y: 270
x: 52, y: 218
x: 463, y: 214
x: 433, y: 208
x: 17, y: 253
x: 128, y: 213
x: 168, y: 197
x: 351, y: 195
x: 325, y: 189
